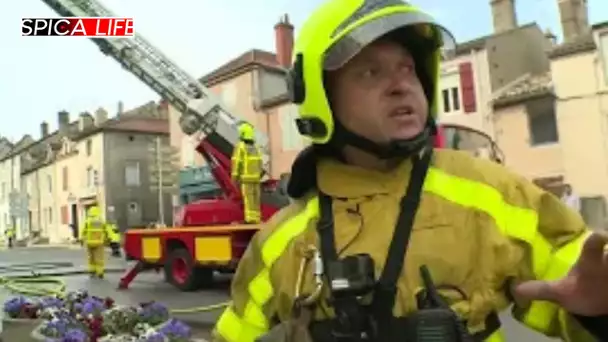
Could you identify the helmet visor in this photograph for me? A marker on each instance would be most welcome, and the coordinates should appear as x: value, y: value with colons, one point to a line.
x: 421, y: 24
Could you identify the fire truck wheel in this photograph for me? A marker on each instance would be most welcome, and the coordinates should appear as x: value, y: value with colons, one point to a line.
x: 182, y: 273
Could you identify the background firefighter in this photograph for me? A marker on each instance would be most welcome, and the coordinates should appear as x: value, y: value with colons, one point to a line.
x: 247, y: 172
x: 10, y: 235
x: 94, y: 234
x: 113, y: 235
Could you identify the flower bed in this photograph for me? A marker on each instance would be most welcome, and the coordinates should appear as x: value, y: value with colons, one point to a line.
x: 21, y: 316
x: 80, y: 317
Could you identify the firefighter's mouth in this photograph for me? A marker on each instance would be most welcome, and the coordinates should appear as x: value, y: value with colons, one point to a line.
x: 402, y: 111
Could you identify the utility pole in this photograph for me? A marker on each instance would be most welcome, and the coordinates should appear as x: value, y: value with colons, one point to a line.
x: 163, y: 161
x: 159, y: 165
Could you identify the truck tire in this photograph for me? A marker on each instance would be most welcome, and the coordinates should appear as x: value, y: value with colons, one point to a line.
x: 183, y: 273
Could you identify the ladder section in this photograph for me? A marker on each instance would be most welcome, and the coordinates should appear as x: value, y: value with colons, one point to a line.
x: 203, y: 113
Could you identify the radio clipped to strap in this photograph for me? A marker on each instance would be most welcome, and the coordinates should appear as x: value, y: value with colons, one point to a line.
x: 436, y: 321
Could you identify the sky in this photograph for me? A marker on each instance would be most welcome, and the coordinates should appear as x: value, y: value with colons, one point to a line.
x: 44, y: 75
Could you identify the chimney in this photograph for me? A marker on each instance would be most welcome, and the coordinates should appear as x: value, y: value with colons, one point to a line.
x: 101, y: 116
x: 121, y: 108
x: 574, y: 17
x: 504, y: 16
x: 163, y: 109
x: 283, y: 34
x: 85, y: 121
x: 44, y: 129
x: 63, y: 121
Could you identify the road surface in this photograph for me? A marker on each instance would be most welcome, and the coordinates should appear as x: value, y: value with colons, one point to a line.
x: 150, y: 286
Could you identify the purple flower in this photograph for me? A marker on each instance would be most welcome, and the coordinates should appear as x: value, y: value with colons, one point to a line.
x: 92, y: 306
x: 14, y: 305
x: 78, y: 307
x: 175, y: 329
x: 153, y: 313
x: 56, y: 327
x: 51, y: 302
x: 156, y: 337
x: 75, y: 335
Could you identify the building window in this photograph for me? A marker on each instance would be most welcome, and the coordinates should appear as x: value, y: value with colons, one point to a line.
x: 455, y: 98
x: 451, y: 100
x: 543, y: 128
x: 132, y: 174
x: 49, y: 182
x: 446, y: 101
x: 65, y: 215
x: 89, y: 147
x: 65, y: 178
x: 90, y: 177
x: 50, y: 215
x: 3, y: 191
x: 133, y: 207
x: 604, y: 53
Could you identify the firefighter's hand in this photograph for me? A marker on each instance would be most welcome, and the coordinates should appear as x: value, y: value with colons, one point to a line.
x: 583, y: 290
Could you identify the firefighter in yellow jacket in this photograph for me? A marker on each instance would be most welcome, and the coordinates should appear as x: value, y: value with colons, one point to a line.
x: 247, y: 172
x: 388, y: 239
x: 113, y: 235
x: 10, y: 235
x: 94, y: 235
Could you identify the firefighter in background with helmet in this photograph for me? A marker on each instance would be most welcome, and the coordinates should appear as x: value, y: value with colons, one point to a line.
x: 417, y: 244
x: 113, y: 233
x: 94, y: 235
x: 247, y: 172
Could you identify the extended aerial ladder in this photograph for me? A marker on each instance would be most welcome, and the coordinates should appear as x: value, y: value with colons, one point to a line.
x: 203, y: 114
x: 208, y: 237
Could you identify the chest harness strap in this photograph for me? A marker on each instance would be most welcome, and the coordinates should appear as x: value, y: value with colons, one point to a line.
x: 352, y: 282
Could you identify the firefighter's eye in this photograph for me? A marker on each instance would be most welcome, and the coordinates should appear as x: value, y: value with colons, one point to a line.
x: 370, y: 71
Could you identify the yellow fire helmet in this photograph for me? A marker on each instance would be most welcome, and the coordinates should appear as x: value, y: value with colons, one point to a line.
x: 339, y: 30
x: 246, y: 131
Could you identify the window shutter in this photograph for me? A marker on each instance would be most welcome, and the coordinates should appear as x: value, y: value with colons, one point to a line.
x: 467, y: 86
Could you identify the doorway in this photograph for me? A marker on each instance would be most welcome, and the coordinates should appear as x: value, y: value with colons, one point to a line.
x: 74, y: 224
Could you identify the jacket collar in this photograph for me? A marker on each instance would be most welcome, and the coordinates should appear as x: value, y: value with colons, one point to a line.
x: 341, y: 180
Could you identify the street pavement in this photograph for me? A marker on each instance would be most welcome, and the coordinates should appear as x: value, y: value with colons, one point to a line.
x: 150, y: 286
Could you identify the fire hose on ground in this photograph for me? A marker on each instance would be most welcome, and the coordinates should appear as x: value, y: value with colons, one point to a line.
x: 40, y: 285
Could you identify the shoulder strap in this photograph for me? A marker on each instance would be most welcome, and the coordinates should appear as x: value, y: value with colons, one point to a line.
x: 386, y: 289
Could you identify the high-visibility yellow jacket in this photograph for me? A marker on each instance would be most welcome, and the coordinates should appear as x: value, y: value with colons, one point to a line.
x: 478, y: 226
x: 10, y: 232
x: 112, y: 233
x: 94, y: 231
x: 246, y: 163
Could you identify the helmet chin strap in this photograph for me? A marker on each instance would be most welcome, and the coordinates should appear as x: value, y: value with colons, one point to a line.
x: 397, y: 148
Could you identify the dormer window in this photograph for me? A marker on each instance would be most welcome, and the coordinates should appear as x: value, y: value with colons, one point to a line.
x: 67, y: 147
x: 49, y: 153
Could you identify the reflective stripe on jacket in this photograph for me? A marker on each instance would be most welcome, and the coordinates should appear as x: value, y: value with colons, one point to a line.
x: 478, y: 227
x: 94, y: 233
